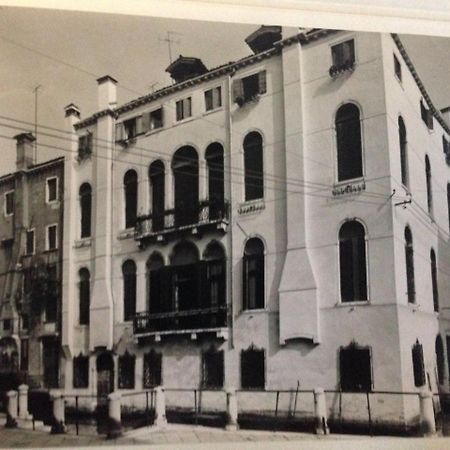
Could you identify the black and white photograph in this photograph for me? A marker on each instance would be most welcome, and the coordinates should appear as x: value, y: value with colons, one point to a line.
x: 224, y: 233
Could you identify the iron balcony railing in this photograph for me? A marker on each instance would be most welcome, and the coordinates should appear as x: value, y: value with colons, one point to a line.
x: 194, y: 319
x: 183, y: 216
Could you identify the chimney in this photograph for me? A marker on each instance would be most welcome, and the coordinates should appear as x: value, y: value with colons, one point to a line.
x: 445, y: 113
x: 263, y: 38
x: 25, y: 150
x: 107, y: 93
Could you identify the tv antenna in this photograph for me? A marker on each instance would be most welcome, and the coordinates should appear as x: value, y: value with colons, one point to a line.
x: 35, y: 90
x: 171, y: 41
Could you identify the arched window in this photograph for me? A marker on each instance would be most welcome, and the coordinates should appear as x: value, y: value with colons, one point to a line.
x: 440, y: 359
x: 352, y: 262
x: 253, y: 274
x: 434, y: 280
x: 185, y: 170
x: 156, y: 175
x: 215, y: 275
x: 253, y: 166
x: 418, y: 364
x: 409, y: 259
x: 131, y: 196
x: 86, y: 209
x: 214, y: 159
x: 403, y: 152
x: 129, y: 289
x: 155, y: 280
x: 85, y: 295
x: 80, y: 371
x: 349, y: 148
x: 429, y: 189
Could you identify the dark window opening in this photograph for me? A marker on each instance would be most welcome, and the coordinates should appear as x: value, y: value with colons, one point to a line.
x: 253, y: 274
x: 213, y: 369
x: 9, y: 203
x: 352, y: 262
x: 130, y: 128
x: 447, y: 342
x: 403, y: 153
x: 446, y: 149
x: 52, y: 189
x: 6, y: 324
x: 397, y: 68
x: 409, y: 257
x: 349, y: 146
x: 129, y: 289
x: 213, y: 98
x: 29, y: 245
x: 249, y: 88
x: 24, y: 346
x: 418, y: 364
x: 184, y: 108
x: 85, y: 146
x: 86, y: 209
x: 427, y: 115
x: 253, y: 166
x: 27, y: 280
x: 355, y: 368
x: 130, y: 182
x: 215, y: 275
x: 51, y: 304
x: 24, y: 321
x: 84, y: 295
x: 152, y: 369
x: 252, y: 369
x: 156, y: 119
x: 52, y: 243
x: 50, y: 358
x: 434, y: 281
x: 127, y: 365
x: 440, y: 359
x: 81, y: 372
x: 157, y: 182
x: 343, y: 57
x: 429, y: 186
x: 214, y: 159
x: 155, y: 280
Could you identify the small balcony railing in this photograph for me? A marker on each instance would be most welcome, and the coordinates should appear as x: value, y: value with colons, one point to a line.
x: 188, y: 216
x: 175, y: 321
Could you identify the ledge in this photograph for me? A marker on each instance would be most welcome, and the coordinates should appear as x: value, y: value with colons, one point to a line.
x: 126, y: 234
x: 252, y: 206
x: 85, y: 242
x: 349, y: 188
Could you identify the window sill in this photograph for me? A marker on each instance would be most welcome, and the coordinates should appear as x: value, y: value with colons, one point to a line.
x: 180, y: 122
x: 83, y: 242
x: 342, y: 304
x: 251, y: 206
x: 128, y: 233
x: 349, y: 187
x: 211, y: 111
x: 254, y: 311
x: 154, y: 131
x: 51, y: 250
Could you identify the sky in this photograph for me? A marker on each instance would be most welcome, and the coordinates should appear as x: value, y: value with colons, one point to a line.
x: 65, y: 52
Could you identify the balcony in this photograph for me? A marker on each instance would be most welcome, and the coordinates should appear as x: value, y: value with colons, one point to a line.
x: 208, y: 215
x: 194, y: 321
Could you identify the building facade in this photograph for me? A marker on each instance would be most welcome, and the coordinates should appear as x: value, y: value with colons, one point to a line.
x: 276, y: 221
x: 31, y: 234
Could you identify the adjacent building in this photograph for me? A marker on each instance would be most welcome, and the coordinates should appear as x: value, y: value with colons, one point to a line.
x: 31, y: 236
x: 278, y: 220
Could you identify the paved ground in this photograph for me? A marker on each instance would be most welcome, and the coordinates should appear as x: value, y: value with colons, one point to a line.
x: 188, y: 437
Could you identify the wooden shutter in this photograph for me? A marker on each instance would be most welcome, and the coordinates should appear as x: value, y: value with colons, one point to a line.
x: 139, y: 129
x: 145, y: 122
x: 238, y: 89
x: 262, y: 82
x: 179, y: 107
x: 119, y: 132
x: 245, y: 282
x: 187, y: 110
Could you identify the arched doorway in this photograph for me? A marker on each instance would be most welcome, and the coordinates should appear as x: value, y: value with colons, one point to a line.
x: 105, y: 374
x: 185, y: 171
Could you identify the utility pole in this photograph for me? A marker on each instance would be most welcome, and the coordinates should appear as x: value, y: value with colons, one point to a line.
x: 35, y: 121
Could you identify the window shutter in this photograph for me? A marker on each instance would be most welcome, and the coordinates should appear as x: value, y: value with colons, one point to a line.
x: 90, y: 139
x: 139, y: 127
x: 262, y: 82
x: 179, y: 107
x: 245, y: 282
x: 119, y: 132
x: 217, y: 97
x: 187, y: 108
x: 145, y: 122
x: 238, y: 89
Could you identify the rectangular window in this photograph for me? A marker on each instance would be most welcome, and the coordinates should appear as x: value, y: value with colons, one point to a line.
x: 81, y: 372
x: 29, y: 242
x: 24, y: 321
x: 152, y: 370
x: 6, y: 324
x: 355, y: 369
x: 52, y: 189
x: 343, y: 54
x: 184, y: 108
x: 52, y: 238
x: 418, y: 364
x: 24, y: 354
x: 427, y: 115
x: 213, y: 98
x: 155, y: 119
x: 51, y: 297
x: 252, y: 369
x: 213, y: 369
x: 249, y: 88
x: 397, y: 68
x: 127, y: 364
x: 27, y: 280
x: 85, y: 146
x: 9, y: 203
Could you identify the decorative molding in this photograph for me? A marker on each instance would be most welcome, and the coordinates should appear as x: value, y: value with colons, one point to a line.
x: 252, y: 206
x: 349, y: 189
x: 80, y: 243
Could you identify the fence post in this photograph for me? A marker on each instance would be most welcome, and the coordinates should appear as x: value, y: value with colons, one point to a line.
x: 320, y: 411
x: 160, y: 407
x: 427, y: 419
x: 114, y: 416
x: 11, y: 410
x: 58, y: 412
x: 23, y: 402
x: 232, y: 411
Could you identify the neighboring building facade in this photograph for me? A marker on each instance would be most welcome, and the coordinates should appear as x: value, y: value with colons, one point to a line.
x: 253, y: 225
x: 31, y: 236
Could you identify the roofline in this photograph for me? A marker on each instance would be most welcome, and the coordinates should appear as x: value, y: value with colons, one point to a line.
x: 415, y: 75
x: 32, y: 169
x: 302, y: 38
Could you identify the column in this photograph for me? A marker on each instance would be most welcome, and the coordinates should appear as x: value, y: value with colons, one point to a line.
x: 11, y: 409
x: 427, y: 420
x: 23, y: 401
x: 114, y: 415
x: 232, y: 411
x: 58, y: 412
x: 320, y: 411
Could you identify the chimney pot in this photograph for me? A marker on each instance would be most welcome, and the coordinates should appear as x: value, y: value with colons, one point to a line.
x: 72, y: 110
x: 107, y: 92
x: 24, y: 150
